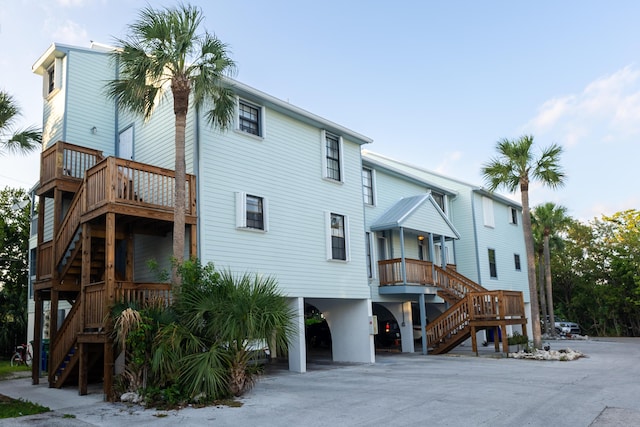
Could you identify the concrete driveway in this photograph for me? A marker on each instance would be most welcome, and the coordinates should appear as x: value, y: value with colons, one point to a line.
x: 453, y: 390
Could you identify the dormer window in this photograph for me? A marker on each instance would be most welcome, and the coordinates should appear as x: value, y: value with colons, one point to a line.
x: 52, y: 78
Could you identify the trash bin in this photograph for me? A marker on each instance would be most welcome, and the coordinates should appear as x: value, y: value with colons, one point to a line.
x: 44, y: 355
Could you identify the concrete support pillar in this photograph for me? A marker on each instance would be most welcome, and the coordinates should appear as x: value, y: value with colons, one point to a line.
x: 423, y: 323
x: 297, y: 346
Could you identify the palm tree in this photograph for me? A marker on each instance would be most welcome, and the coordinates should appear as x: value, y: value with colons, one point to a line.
x: 23, y: 140
x: 514, y: 168
x: 221, y: 318
x: 164, y: 52
x: 549, y: 218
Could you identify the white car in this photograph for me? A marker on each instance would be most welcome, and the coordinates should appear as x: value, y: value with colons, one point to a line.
x: 565, y: 327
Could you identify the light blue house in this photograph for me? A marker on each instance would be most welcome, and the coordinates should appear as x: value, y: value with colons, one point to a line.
x: 284, y: 193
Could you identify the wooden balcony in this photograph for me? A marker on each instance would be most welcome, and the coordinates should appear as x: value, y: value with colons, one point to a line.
x: 418, y: 272
x: 63, y: 166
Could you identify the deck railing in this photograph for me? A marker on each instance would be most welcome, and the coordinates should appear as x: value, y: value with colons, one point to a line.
x: 133, y: 183
x: 454, y: 283
x: 96, y: 302
x: 64, y: 160
x: 418, y: 272
x: 44, y: 260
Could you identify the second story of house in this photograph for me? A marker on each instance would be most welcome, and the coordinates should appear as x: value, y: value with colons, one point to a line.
x: 490, y: 249
x: 278, y: 193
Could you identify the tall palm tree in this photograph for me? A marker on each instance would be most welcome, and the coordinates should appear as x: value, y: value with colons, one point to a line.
x: 165, y: 52
x: 21, y: 141
x: 549, y: 218
x: 514, y: 168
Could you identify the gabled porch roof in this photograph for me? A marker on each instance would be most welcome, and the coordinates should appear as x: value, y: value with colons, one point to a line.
x: 419, y: 213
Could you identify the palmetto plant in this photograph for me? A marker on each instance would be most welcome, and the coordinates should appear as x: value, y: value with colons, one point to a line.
x: 164, y: 53
x: 515, y: 166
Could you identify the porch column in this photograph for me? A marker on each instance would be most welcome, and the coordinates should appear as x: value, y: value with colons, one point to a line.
x: 403, y: 262
x: 432, y: 255
x: 423, y: 323
x: 297, y: 345
x: 443, y: 252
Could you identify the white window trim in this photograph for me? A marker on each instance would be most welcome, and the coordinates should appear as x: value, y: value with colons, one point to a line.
x: 323, y: 141
x: 487, y: 212
x: 262, y: 129
x: 373, y: 188
x: 329, y: 247
x: 57, y: 76
x: 241, y: 212
x: 511, y: 210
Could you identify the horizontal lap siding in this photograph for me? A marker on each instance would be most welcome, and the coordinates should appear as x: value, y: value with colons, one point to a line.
x: 87, y: 106
x: 286, y: 169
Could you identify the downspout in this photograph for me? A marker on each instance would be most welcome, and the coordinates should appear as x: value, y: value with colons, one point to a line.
x: 475, y: 235
x: 196, y: 172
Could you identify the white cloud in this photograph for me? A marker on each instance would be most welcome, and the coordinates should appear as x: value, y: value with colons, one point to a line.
x: 606, y: 111
x: 70, y: 32
x: 71, y: 3
x: 445, y: 166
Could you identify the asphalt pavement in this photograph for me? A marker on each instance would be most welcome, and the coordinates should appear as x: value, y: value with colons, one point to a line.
x: 459, y: 389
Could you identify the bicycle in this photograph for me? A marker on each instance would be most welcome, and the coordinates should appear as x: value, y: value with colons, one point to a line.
x: 22, y: 356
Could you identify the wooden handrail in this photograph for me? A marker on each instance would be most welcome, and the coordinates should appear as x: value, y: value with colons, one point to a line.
x: 65, y: 338
x: 67, y: 160
x: 451, y: 321
x: 69, y: 225
x: 455, y: 283
x: 418, y: 272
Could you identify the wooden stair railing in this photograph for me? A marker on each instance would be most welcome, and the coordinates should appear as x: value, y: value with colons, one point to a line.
x: 454, y: 285
x: 69, y: 227
x: 65, y: 340
x: 450, y: 327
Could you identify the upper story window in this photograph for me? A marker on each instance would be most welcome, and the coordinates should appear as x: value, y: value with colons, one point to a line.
x: 338, y: 242
x: 251, y: 212
x: 493, y: 269
x: 439, y: 198
x: 250, y: 118
x: 367, y: 187
x: 513, y: 216
x: 332, y: 160
x: 487, y: 211
x: 52, y: 78
x: 516, y: 262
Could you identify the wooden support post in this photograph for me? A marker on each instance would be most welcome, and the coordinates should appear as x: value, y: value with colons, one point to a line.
x: 505, y: 338
x: 108, y: 371
x: 53, y: 315
x: 128, y: 275
x: 496, y: 338
x: 474, y: 340
x: 85, y: 272
x: 193, y: 247
x: 83, y: 374
x: 110, y: 261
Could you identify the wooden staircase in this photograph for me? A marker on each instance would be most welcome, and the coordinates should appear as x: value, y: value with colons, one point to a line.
x: 98, y: 203
x: 473, y: 308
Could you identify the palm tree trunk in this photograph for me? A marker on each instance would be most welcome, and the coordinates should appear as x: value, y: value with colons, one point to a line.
x: 531, y: 265
x: 180, y: 88
x: 547, y: 270
x: 543, y: 304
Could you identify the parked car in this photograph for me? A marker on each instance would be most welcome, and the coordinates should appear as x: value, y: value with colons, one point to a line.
x: 566, y: 327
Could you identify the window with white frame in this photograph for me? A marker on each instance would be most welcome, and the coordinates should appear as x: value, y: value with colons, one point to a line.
x: 332, y: 159
x: 251, y: 212
x: 338, y: 242
x: 487, y: 211
x: 516, y: 262
x: 439, y: 199
x: 493, y: 268
x: 250, y: 118
x: 52, y: 78
x: 368, y: 187
x: 513, y: 216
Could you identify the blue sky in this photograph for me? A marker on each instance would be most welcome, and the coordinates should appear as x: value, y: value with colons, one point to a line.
x: 434, y: 84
